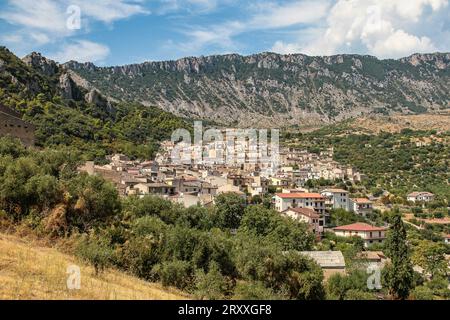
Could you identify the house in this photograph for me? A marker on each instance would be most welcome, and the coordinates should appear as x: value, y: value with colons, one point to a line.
x: 420, y: 197
x: 279, y: 181
x: 361, y: 206
x: 447, y: 238
x: 336, y: 198
x: 309, y: 216
x: 368, y: 233
x: 315, y: 201
x: 331, y: 262
x: 151, y: 188
x: 372, y: 258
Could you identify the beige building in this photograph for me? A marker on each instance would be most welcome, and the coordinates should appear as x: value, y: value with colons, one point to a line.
x: 308, y: 216
x: 315, y: 201
x: 368, y: 233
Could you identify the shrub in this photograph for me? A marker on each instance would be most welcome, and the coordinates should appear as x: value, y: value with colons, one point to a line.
x: 96, y: 252
x: 175, y: 273
x: 212, y: 285
x: 140, y: 255
x: 254, y: 290
x: 422, y: 293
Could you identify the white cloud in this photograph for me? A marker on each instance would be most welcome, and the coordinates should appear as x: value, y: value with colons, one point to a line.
x: 46, y: 22
x: 266, y: 16
x: 46, y: 16
x: 298, y: 12
x: 383, y: 28
x: 81, y: 51
x: 109, y: 10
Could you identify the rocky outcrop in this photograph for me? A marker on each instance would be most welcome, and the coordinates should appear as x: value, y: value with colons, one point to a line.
x: 68, y: 88
x: 268, y: 89
x: 41, y: 64
x: 96, y: 98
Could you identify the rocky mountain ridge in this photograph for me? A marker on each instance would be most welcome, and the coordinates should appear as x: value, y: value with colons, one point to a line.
x: 268, y: 89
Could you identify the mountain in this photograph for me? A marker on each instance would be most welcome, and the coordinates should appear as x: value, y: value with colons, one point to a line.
x: 66, y: 110
x: 269, y: 89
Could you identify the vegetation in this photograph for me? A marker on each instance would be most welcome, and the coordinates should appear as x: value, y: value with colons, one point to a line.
x: 398, y: 273
x: 206, y: 252
x: 95, y: 129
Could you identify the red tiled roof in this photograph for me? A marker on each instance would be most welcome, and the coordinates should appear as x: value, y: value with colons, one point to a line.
x: 310, y: 213
x: 447, y: 236
x: 301, y: 195
x: 361, y: 200
x: 359, y: 226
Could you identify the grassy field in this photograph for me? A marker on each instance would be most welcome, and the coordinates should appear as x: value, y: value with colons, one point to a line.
x: 30, y: 271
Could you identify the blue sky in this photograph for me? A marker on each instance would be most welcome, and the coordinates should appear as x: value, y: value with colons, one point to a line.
x: 116, y: 32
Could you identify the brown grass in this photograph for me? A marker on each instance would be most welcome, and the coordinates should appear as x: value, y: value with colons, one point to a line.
x: 31, y: 271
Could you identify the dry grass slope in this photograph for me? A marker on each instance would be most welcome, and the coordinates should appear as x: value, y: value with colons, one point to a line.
x: 30, y: 271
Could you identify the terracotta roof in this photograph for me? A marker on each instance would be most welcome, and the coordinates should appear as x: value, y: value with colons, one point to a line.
x: 302, y: 195
x: 310, y: 213
x: 447, y: 236
x: 361, y: 200
x: 359, y: 226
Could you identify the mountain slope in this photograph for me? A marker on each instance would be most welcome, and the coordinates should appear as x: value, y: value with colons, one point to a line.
x: 30, y: 271
x: 66, y: 111
x: 269, y: 89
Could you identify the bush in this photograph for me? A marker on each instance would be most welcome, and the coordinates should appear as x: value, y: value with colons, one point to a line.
x: 422, y: 293
x: 96, y: 252
x: 212, y: 285
x: 354, y: 294
x: 254, y: 290
x: 140, y: 255
x: 175, y: 273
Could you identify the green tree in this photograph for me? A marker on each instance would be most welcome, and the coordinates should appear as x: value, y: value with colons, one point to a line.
x: 230, y: 209
x: 431, y: 257
x: 212, y: 285
x: 398, y: 274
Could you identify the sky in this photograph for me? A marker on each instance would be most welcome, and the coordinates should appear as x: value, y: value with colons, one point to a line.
x: 118, y: 32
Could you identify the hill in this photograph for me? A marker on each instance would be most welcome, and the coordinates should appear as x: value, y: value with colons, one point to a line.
x: 65, y: 112
x: 267, y: 89
x: 31, y: 271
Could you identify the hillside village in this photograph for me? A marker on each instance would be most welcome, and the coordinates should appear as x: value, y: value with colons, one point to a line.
x: 287, y: 189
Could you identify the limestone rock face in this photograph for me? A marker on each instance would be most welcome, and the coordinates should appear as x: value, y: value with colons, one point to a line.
x: 38, y: 62
x: 69, y: 89
x: 269, y: 89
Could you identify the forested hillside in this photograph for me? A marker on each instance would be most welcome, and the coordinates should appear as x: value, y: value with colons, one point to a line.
x: 83, y: 119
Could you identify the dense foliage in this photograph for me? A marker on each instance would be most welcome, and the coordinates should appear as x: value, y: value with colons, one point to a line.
x: 97, y: 128
x: 398, y: 162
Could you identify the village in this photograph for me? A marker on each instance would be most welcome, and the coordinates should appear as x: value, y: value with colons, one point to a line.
x: 286, y: 188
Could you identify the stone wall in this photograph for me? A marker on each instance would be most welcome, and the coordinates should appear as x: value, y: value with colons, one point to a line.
x: 11, y: 124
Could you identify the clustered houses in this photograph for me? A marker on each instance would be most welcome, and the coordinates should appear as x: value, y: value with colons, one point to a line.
x: 189, y: 183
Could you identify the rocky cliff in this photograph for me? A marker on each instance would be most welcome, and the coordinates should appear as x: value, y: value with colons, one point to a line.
x: 270, y: 89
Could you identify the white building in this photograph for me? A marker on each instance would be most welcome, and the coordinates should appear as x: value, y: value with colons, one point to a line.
x: 368, y: 233
x: 447, y: 238
x: 420, y: 196
x: 361, y: 206
x: 308, y: 216
x: 315, y: 201
x: 336, y: 198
